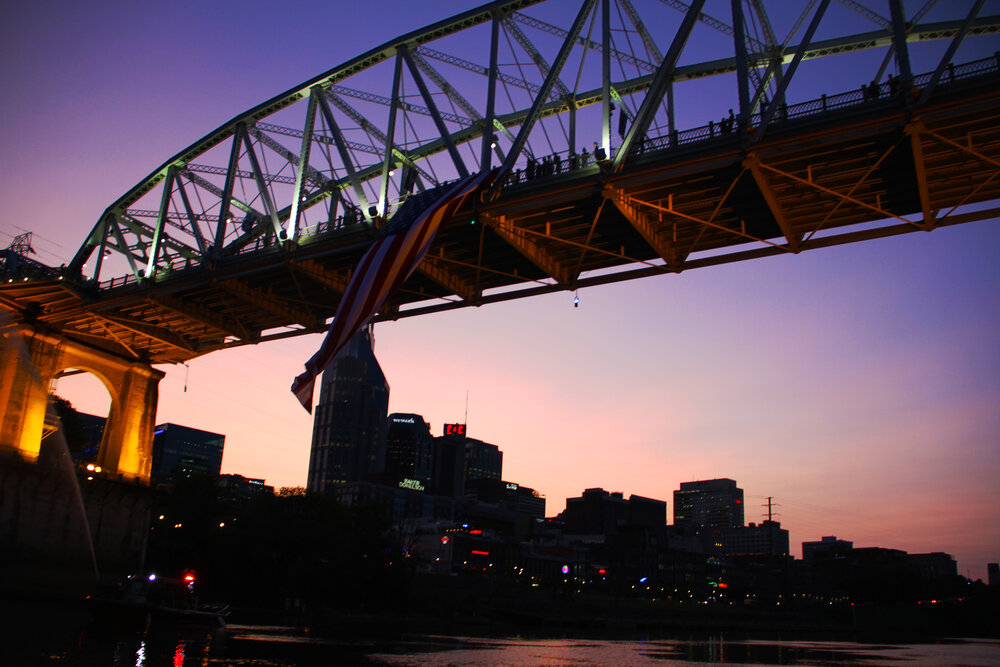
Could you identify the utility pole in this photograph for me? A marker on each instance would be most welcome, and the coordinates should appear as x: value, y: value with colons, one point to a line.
x: 770, y: 527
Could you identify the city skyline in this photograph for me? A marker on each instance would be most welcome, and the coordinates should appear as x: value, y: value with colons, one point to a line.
x: 857, y: 385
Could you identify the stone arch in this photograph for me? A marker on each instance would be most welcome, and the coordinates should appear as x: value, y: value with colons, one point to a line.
x: 30, y: 358
x: 91, y: 381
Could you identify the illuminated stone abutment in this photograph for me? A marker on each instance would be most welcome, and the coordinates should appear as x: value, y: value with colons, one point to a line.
x: 29, y: 360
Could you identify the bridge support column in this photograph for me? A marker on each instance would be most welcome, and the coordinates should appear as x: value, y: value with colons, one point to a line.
x: 30, y: 359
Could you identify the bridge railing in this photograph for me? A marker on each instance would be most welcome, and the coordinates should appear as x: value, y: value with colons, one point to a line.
x: 886, y: 92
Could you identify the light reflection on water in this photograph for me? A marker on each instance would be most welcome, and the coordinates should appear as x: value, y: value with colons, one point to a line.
x: 571, y: 653
x: 268, y: 646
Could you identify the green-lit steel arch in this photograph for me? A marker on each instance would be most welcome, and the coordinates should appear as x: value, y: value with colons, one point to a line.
x: 394, y: 118
x: 252, y: 231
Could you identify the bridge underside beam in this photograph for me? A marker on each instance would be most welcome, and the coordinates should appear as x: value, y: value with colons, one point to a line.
x: 536, y: 252
x: 271, y: 302
x: 438, y: 270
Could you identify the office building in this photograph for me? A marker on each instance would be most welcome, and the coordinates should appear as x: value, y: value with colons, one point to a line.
x: 349, y: 424
x: 827, y: 547
x: 459, y: 458
x: 239, y: 487
x: 482, y: 460
x: 182, y: 451
x: 510, y: 495
x: 598, y: 512
x: 765, y: 539
x: 713, y: 503
x: 409, y: 449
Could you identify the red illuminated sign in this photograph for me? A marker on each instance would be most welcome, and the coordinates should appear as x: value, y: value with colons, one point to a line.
x: 454, y: 429
x: 480, y: 553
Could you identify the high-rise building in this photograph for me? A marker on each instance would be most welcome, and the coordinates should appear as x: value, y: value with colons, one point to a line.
x: 712, y: 503
x: 180, y: 451
x: 409, y: 449
x: 349, y: 424
x: 459, y: 458
x: 482, y: 460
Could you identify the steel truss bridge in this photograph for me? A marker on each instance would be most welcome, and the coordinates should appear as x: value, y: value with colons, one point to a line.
x: 618, y: 154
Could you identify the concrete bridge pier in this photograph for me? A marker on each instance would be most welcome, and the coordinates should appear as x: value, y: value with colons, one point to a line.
x: 29, y: 360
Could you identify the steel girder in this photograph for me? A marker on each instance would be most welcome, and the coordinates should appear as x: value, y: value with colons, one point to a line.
x: 252, y: 231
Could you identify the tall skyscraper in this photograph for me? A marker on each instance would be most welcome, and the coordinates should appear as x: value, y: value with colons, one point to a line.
x: 349, y: 425
x: 409, y: 449
x: 713, y: 503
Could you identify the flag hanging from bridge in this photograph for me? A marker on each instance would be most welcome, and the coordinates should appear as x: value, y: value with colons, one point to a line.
x: 383, y: 269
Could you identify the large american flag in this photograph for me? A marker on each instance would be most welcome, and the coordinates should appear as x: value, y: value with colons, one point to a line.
x: 386, y: 265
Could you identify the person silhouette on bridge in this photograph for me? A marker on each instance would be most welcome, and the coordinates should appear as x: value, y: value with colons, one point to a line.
x: 584, y: 157
x: 726, y: 124
x: 599, y: 154
x: 872, y: 91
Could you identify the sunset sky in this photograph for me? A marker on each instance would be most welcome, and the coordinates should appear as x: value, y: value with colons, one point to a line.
x: 858, y: 386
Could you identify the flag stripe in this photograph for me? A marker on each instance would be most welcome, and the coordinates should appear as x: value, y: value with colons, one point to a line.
x: 382, y: 270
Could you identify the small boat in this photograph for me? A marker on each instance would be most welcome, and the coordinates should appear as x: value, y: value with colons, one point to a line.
x: 160, y: 598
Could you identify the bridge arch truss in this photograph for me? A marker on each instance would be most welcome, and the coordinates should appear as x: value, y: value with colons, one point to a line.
x: 633, y: 137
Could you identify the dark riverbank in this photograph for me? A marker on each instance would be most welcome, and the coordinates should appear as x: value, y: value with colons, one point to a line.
x: 470, y: 607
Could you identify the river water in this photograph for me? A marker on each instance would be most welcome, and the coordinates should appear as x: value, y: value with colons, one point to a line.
x: 268, y: 646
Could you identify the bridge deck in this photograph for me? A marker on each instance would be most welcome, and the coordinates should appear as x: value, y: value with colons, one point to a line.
x: 814, y: 179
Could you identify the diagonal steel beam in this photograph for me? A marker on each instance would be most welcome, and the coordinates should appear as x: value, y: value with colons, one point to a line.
x: 333, y: 280
x: 539, y: 61
x: 915, y: 129
x: 435, y: 115
x: 952, y: 47
x: 267, y: 300
x: 262, y: 187
x: 709, y: 223
x: 534, y: 252
x: 227, y: 190
x: 345, y: 155
x: 161, y: 218
x: 839, y: 195
x: 642, y: 224
x: 303, y: 165
x: 157, y: 333
x: 654, y: 96
x: 208, y: 317
x: 192, y: 218
x: 436, y: 268
x: 794, y: 240
x: 850, y: 193
x: 779, y: 94
x: 543, y: 93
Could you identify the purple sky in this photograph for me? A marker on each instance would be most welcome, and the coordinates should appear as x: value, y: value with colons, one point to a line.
x: 859, y: 386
